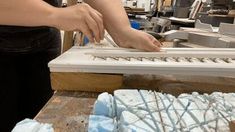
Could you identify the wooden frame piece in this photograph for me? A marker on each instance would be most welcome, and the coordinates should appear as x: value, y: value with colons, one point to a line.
x: 85, y: 82
x: 89, y: 60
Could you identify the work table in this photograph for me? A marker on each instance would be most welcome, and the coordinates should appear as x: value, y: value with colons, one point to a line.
x: 68, y: 111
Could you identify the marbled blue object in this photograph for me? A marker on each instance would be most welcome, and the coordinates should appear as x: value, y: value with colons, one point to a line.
x: 104, y: 105
x: 99, y: 123
x: 151, y: 111
x: 28, y: 125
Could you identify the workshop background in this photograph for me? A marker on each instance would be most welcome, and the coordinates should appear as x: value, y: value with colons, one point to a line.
x: 188, y: 86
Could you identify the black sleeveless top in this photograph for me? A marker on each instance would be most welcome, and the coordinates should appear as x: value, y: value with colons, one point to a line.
x: 24, y: 39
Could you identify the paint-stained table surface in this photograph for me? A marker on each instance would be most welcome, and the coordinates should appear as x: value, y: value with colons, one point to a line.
x: 68, y: 111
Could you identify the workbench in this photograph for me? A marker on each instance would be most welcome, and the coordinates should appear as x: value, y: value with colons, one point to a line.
x: 68, y: 111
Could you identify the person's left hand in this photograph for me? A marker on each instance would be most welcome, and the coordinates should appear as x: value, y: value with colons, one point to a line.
x: 132, y: 38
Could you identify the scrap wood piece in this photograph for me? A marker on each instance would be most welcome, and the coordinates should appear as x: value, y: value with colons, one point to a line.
x: 232, y: 126
x: 85, y: 81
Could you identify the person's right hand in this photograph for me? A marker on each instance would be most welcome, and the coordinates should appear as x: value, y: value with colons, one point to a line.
x: 80, y: 17
x: 132, y: 38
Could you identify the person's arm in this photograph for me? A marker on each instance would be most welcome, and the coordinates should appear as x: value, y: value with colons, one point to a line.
x: 38, y: 13
x: 25, y: 13
x: 117, y: 24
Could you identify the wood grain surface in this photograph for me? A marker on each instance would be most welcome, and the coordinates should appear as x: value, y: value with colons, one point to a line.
x: 173, y: 84
x: 177, y: 84
x: 86, y: 82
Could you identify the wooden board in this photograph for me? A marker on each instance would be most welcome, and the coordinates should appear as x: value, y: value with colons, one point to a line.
x: 68, y: 111
x: 232, y: 126
x: 85, y: 81
x: 173, y: 84
x: 176, y: 61
x: 178, y: 84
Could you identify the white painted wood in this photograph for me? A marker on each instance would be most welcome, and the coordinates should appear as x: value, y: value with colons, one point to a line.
x: 195, y: 8
x: 186, y: 20
x: 203, y: 26
x: 227, y: 29
x: 187, y: 29
x: 205, y: 39
x: 124, y: 61
x: 175, y: 34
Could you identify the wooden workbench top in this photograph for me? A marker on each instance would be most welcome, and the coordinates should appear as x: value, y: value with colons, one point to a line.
x: 68, y: 111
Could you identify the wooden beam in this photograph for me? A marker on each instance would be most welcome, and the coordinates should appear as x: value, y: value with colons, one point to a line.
x: 178, y: 84
x: 232, y: 126
x: 86, y: 82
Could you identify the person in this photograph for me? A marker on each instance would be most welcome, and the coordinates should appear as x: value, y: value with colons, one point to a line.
x: 30, y: 38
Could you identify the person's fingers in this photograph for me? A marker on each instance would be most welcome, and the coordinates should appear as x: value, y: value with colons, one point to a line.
x: 99, y: 20
x: 158, y: 43
x: 93, y: 27
x: 154, y: 41
x: 147, y: 46
x: 151, y: 47
x: 153, y: 44
x: 98, y: 13
x: 87, y: 32
x: 101, y: 16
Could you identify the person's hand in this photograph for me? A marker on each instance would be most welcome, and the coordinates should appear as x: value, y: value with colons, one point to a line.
x: 132, y: 38
x: 80, y: 17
